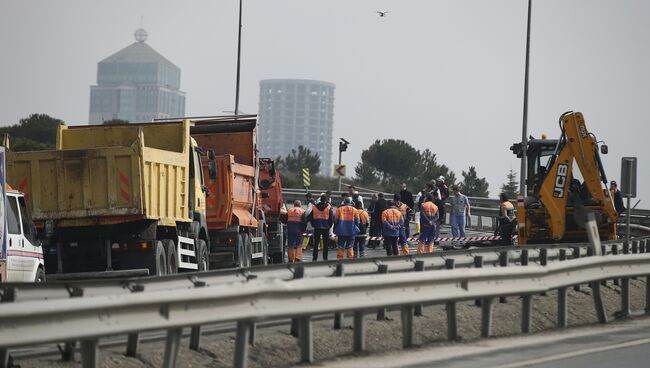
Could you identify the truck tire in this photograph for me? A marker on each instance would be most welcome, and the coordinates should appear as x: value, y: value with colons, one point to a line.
x: 202, y: 255
x: 159, y: 267
x: 40, y: 275
x: 172, y: 258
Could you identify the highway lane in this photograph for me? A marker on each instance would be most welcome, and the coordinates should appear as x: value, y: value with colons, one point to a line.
x: 624, y: 344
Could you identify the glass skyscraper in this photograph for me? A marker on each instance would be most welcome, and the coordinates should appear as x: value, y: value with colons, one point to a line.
x: 297, y: 112
x: 136, y: 84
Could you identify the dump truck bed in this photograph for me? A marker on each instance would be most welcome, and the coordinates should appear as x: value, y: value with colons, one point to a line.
x: 231, y: 197
x: 108, y: 174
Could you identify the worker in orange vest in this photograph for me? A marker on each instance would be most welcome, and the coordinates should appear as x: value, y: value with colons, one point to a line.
x: 346, y: 227
x: 321, y: 219
x: 295, y: 220
x: 406, y: 213
x: 393, y: 222
x: 507, y: 219
x: 362, y: 236
x: 428, y: 222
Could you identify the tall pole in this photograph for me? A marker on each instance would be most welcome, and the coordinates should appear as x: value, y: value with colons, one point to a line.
x: 524, y: 131
x: 238, y: 61
x: 340, y: 154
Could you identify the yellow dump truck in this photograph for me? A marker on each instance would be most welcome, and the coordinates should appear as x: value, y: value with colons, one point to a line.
x: 117, y: 197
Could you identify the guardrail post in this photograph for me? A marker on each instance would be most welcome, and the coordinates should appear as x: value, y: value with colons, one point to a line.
x: 452, y: 326
x: 625, y: 297
x: 635, y: 247
x: 598, y: 302
x: 576, y: 255
x: 359, y: 340
x: 479, y: 222
x: 478, y: 263
x: 486, y: 317
x: 647, y: 293
x: 643, y: 248
x: 306, y: 340
x: 298, y: 273
x: 195, y: 338
x: 503, y: 262
x: 524, y: 257
x: 543, y: 260
x: 615, y: 252
x: 562, y: 255
x: 562, y: 308
x: 526, y: 313
x: 381, y: 312
x: 241, y: 344
x: 419, y: 266
x: 407, y: 326
x: 89, y: 353
x: 132, y: 343
x: 172, y: 344
x: 253, y: 334
x: 67, y: 352
x: 338, y: 317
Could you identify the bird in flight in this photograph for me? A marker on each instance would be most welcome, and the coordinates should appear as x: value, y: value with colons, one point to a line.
x: 382, y: 13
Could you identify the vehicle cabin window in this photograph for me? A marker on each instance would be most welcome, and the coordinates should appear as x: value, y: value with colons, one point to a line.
x: 28, y: 226
x: 199, y: 164
x: 13, y: 224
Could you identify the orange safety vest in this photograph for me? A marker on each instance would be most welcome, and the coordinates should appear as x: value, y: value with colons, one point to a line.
x: 295, y: 214
x: 364, y: 218
x: 321, y: 215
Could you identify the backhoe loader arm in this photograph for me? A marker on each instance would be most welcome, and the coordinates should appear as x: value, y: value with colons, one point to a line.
x: 554, y: 192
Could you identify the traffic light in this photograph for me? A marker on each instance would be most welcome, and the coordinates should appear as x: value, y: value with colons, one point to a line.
x: 343, y: 145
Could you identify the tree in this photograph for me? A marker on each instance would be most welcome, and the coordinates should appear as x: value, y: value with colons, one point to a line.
x: 296, y: 161
x: 365, y: 173
x: 115, y: 121
x: 472, y: 185
x: 37, y: 132
x: 512, y: 186
x: 392, y: 160
x: 428, y: 169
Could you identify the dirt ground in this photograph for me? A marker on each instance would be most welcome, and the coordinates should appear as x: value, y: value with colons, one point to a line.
x: 275, y: 347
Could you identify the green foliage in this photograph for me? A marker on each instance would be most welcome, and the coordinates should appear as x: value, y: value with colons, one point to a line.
x: 115, y: 121
x: 428, y: 169
x: 296, y: 161
x: 35, y: 133
x: 512, y: 186
x: 472, y: 185
x: 391, y: 162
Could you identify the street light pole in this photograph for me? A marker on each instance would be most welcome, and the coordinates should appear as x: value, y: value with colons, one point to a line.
x: 238, y: 61
x: 524, y: 131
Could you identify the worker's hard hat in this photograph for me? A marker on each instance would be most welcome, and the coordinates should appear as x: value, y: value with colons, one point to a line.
x: 441, y: 178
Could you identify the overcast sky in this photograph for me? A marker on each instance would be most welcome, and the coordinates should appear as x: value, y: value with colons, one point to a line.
x: 441, y: 74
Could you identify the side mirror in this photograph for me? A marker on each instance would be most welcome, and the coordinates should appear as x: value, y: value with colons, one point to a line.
x: 604, y: 149
x: 212, y: 165
x: 272, y: 170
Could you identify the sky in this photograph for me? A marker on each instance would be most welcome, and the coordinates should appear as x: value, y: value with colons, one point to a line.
x: 447, y: 75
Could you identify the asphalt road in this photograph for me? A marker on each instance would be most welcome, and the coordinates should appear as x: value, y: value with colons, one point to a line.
x: 624, y: 344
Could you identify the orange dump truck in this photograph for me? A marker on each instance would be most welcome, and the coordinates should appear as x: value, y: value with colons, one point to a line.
x: 235, y: 219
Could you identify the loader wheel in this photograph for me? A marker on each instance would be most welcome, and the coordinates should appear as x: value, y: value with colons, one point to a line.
x: 202, y: 255
x: 172, y: 259
x: 159, y: 267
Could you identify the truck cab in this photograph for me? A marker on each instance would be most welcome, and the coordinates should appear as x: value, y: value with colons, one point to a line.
x: 22, y: 259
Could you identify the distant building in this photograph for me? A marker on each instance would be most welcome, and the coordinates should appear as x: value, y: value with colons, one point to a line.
x: 297, y: 112
x: 136, y: 84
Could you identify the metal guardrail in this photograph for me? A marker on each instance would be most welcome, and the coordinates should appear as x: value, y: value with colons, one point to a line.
x: 249, y: 300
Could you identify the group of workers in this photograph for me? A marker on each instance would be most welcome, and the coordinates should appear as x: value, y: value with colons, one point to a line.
x: 351, y: 224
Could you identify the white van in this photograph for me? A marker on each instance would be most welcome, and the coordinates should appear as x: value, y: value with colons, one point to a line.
x: 23, y: 253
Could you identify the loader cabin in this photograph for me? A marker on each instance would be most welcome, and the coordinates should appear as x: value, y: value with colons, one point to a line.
x: 538, y: 154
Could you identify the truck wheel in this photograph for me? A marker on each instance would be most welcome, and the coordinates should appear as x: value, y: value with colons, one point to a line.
x: 172, y: 259
x: 160, y: 262
x: 40, y: 275
x: 202, y: 255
